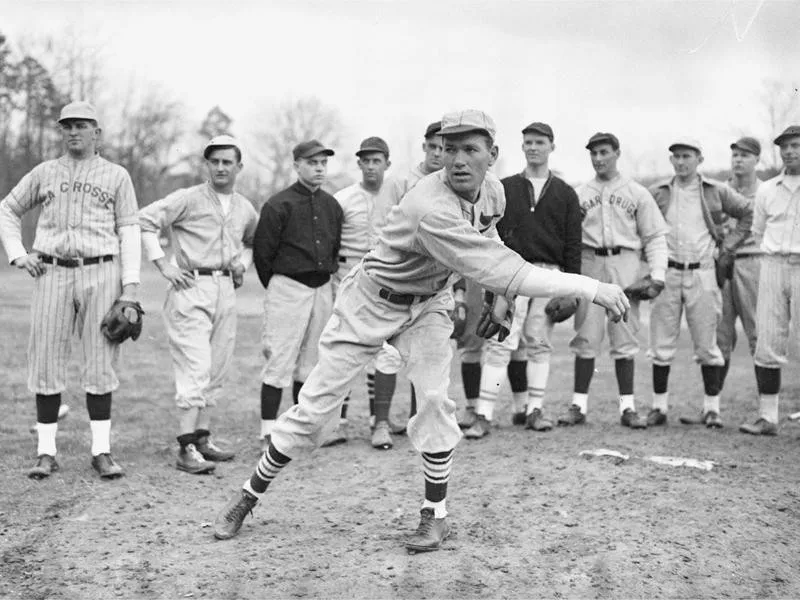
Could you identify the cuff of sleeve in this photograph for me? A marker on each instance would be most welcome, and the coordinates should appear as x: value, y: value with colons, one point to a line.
x: 518, y: 279
x: 152, y: 246
x: 589, y: 287
x: 246, y: 258
x: 658, y: 274
x: 130, y: 278
x: 16, y: 252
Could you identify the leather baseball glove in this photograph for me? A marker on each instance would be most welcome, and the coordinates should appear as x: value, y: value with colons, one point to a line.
x: 724, y: 267
x: 644, y: 289
x: 122, y: 321
x: 561, y: 308
x: 496, y: 317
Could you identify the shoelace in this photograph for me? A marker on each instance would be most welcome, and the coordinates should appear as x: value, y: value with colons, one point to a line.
x: 425, y: 524
x: 194, y: 454
x: 239, y: 511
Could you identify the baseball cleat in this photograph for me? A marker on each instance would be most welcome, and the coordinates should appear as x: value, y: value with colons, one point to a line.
x: 337, y: 437
x: 211, y: 452
x: 480, y: 429
x: 430, y: 534
x: 630, y: 418
x: 519, y: 418
x: 467, y: 418
x: 190, y: 460
x: 397, y: 428
x: 45, y: 465
x: 537, y: 422
x: 381, y: 436
x: 574, y: 416
x: 655, y: 418
x: 760, y: 427
x: 710, y: 419
x: 106, y: 466
x: 229, y: 520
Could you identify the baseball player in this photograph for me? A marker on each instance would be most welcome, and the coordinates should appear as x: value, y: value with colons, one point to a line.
x: 401, y: 293
x: 740, y: 293
x: 212, y: 228
x: 296, y: 250
x: 620, y: 220
x: 542, y: 222
x: 776, y: 227
x: 695, y: 209
x: 365, y: 211
x: 86, y: 255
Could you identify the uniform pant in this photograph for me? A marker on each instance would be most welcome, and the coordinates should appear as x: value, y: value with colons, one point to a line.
x: 739, y: 297
x: 67, y: 302
x: 777, y: 308
x: 697, y: 292
x: 201, y: 329
x: 591, y: 320
x: 361, y: 322
x: 294, y: 316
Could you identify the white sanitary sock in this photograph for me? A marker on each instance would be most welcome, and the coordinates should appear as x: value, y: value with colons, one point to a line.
x: 47, y: 438
x: 101, y: 436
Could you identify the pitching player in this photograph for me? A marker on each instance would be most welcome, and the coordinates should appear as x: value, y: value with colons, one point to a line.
x: 542, y: 222
x: 620, y: 220
x: 86, y: 255
x: 695, y: 209
x: 775, y: 227
x: 296, y: 250
x: 212, y: 228
x: 401, y: 293
x: 739, y: 295
x: 365, y: 210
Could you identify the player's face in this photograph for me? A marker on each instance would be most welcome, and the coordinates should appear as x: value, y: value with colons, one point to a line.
x: 537, y: 149
x: 790, y: 155
x: 373, y: 166
x: 743, y: 163
x: 604, y: 159
x: 223, y: 167
x: 434, y: 153
x: 467, y: 157
x: 312, y: 170
x: 80, y: 136
x: 685, y: 161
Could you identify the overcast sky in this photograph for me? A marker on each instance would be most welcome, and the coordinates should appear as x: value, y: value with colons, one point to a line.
x: 648, y: 71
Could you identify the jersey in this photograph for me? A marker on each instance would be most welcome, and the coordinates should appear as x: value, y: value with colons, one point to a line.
x: 363, y: 217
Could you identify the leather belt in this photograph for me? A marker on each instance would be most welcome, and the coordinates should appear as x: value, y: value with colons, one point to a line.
x: 404, y: 299
x: 72, y: 263
x: 689, y: 266
x: 608, y: 251
x: 343, y: 259
x: 212, y: 272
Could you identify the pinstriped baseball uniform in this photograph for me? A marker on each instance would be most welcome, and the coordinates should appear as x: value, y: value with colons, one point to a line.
x: 83, y: 205
x: 201, y: 321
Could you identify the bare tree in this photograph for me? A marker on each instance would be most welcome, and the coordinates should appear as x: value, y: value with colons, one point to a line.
x: 781, y: 101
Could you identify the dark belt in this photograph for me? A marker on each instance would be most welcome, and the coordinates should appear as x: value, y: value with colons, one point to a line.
x: 224, y: 272
x: 608, y: 251
x: 683, y: 266
x: 342, y: 259
x: 404, y: 299
x: 75, y: 262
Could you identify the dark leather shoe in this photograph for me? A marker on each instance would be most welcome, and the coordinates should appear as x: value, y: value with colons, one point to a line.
x: 519, y: 418
x: 656, y: 418
x: 190, y: 460
x: 710, y: 419
x: 430, y: 534
x: 106, y: 466
x: 630, y: 418
x: 467, y: 418
x: 574, y: 416
x: 536, y: 421
x: 229, y: 520
x: 211, y: 452
x: 479, y: 430
x: 45, y: 465
x: 760, y: 427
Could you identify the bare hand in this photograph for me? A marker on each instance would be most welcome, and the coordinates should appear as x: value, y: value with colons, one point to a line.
x: 613, y: 299
x: 237, y: 273
x: 180, y: 279
x: 32, y: 263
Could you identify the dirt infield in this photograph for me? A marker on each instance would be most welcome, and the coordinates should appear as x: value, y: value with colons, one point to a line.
x: 530, y: 517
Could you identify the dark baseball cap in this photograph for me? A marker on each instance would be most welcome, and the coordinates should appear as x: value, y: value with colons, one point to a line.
x: 540, y: 128
x: 603, y: 138
x: 311, y: 148
x: 790, y: 131
x: 373, y: 144
x: 747, y: 144
x: 433, y: 129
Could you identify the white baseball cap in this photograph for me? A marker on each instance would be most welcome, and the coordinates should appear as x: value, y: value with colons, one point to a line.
x: 221, y: 140
x: 686, y: 142
x: 464, y: 121
x: 79, y: 109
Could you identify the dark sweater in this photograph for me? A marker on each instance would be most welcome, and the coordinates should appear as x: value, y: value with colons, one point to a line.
x: 552, y: 232
x: 298, y: 235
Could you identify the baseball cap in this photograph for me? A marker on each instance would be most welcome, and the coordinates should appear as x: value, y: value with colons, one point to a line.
x: 747, y: 144
x: 311, y: 148
x: 540, y: 128
x: 373, y: 144
x: 791, y: 131
x: 465, y: 121
x: 686, y: 142
x: 433, y: 129
x: 221, y: 140
x: 603, y: 138
x: 79, y: 109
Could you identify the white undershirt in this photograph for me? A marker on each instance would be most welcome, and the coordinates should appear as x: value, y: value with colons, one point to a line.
x: 538, y: 184
x: 225, y: 200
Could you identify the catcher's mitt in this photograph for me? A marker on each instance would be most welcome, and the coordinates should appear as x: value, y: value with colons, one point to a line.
x: 495, y: 320
x: 561, y: 308
x: 644, y: 289
x: 122, y: 321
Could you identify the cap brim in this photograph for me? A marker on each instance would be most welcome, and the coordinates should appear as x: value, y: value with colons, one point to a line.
x: 325, y: 151
x: 596, y: 142
x: 689, y: 146
x: 459, y: 129
x: 368, y: 150
x: 785, y: 136
x: 736, y: 146
x: 63, y: 119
